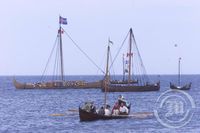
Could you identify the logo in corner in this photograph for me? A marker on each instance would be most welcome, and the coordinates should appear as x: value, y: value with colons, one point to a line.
x: 174, y: 108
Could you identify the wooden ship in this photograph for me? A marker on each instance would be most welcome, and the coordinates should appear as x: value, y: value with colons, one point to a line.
x: 58, y: 80
x: 179, y: 87
x: 130, y: 82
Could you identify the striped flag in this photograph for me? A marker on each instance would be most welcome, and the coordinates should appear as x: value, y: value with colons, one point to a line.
x: 62, y: 20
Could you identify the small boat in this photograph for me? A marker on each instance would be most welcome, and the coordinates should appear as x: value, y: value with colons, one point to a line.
x: 179, y: 87
x: 131, y: 82
x: 93, y: 115
x: 57, y: 80
x: 88, y: 111
x: 185, y: 87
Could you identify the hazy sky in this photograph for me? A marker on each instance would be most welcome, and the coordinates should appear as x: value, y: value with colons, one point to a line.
x: 28, y: 30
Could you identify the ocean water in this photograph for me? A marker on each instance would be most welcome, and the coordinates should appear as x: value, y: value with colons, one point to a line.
x: 54, y: 111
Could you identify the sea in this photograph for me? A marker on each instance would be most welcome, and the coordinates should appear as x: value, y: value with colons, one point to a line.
x: 56, y: 110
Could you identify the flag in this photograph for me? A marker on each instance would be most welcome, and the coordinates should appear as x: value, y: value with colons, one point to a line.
x: 110, y: 41
x: 62, y: 20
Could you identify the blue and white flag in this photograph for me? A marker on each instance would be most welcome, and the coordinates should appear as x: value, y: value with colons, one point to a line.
x: 62, y: 20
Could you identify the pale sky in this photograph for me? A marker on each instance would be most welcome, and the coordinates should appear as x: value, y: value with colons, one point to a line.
x: 28, y: 30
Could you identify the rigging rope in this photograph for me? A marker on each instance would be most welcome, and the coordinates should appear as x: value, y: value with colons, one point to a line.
x: 142, y: 65
x: 42, y: 77
x: 56, y: 64
x: 119, y: 50
x: 83, y: 52
x: 112, y: 67
x: 102, y: 61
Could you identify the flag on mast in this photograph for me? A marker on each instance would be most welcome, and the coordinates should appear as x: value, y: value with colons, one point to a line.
x: 111, y: 42
x: 62, y: 20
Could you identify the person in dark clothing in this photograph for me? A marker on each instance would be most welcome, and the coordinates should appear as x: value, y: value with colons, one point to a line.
x: 101, y: 111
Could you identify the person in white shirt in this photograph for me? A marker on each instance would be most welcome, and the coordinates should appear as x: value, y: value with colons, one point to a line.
x: 107, y: 110
x: 123, y: 109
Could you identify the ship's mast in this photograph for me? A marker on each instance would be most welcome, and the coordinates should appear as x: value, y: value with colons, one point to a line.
x: 130, y: 55
x: 106, y: 81
x: 61, y: 54
x: 179, y: 71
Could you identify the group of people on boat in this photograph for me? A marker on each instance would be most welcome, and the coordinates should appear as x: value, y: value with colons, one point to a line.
x: 121, y: 107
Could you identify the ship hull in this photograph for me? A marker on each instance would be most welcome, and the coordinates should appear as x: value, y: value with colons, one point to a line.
x: 58, y: 85
x: 89, y: 116
x: 185, y: 87
x: 132, y: 88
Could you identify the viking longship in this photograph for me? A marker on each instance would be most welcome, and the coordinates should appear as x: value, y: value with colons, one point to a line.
x: 58, y: 80
x: 179, y: 86
x: 134, y: 80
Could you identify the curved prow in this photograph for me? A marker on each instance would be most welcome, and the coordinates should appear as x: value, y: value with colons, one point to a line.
x: 18, y: 85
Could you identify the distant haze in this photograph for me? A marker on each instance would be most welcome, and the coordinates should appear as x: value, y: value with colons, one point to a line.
x: 28, y: 30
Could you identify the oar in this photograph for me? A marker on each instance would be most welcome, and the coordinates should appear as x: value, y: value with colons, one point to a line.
x: 68, y: 112
x: 57, y: 114
x: 141, y: 114
x: 73, y: 110
x: 133, y: 115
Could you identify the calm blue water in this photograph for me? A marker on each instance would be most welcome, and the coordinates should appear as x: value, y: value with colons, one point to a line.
x: 31, y: 110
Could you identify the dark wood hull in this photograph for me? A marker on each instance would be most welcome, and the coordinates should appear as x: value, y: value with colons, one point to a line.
x: 89, y: 116
x: 185, y: 87
x: 123, y: 82
x: 132, y: 88
x: 58, y: 85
